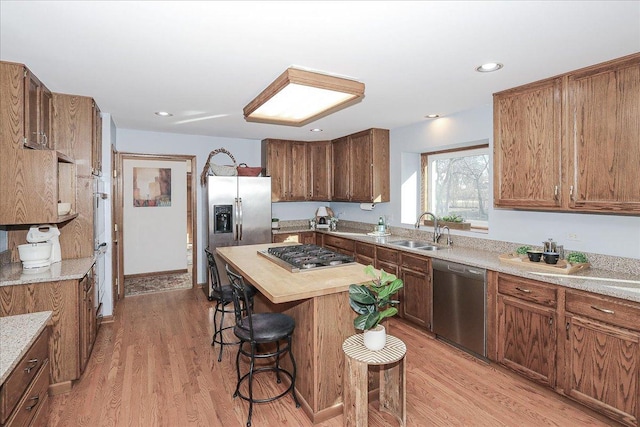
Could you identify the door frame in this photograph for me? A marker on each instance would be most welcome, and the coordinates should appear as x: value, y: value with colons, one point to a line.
x: 119, y: 205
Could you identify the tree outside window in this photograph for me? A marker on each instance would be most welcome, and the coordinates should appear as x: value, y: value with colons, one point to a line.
x: 456, y: 183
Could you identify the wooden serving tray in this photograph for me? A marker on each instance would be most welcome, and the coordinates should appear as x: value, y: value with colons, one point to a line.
x: 562, y: 267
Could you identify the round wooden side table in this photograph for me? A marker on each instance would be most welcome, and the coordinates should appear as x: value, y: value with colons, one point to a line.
x: 355, y: 384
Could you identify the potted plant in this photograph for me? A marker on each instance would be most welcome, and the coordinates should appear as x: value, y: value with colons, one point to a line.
x: 454, y: 222
x: 373, y: 302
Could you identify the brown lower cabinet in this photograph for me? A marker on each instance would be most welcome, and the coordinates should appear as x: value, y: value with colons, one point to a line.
x: 73, y: 323
x: 24, y: 395
x: 526, y: 328
x: 415, y: 272
x: 303, y: 237
x: 592, y: 357
x: 603, y: 355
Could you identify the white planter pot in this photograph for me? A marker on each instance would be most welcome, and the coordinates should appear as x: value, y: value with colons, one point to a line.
x: 376, y: 338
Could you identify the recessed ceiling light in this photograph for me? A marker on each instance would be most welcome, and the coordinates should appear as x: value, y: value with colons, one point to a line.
x: 432, y: 116
x: 315, y: 130
x: 163, y: 114
x: 489, y: 67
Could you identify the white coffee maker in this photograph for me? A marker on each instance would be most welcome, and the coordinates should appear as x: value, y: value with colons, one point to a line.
x: 43, y: 248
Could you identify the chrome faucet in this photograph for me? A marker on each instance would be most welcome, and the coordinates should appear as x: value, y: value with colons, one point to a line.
x: 436, y: 229
x: 449, y: 241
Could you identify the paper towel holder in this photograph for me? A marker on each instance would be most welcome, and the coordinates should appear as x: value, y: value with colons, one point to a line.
x: 367, y: 206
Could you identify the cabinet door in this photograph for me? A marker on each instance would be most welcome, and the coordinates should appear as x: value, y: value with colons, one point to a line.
x: 87, y: 320
x: 45, y: 118
x: 341, y: 160
x: 527, y: 146
x: 276, y: 167
x: 319, y: 170
x: 307, y: 237
x: 96, y: 142
x: 31, y: 119
x: 603, y: 368
x: 604, y: 116
x: 416, y: 297
x: 361, y: 167
x: 526, y: 339
x: 297, y: 171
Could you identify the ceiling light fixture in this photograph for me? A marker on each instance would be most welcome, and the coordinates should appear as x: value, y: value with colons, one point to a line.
x: 489, y: 67
x: 432, y: 116
x: 298, y: 97
x: 163, y: 114
x: 315, y: 130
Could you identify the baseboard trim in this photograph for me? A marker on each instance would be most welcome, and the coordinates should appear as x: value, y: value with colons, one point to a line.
x: 156, y: 273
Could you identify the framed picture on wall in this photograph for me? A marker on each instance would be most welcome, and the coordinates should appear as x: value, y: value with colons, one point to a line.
x: 151, y: 187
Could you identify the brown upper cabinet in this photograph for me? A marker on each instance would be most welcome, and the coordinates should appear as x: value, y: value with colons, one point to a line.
x: 37, y: 178
x: 286, y: 162
x: 319, y: 170
x: 571, y: 142
x: 25, y: 118
x: 361, y: 167
x: 37, y: 112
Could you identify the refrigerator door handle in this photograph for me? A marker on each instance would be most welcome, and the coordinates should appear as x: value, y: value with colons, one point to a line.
x: 236, y: 221
x: 240, y: 214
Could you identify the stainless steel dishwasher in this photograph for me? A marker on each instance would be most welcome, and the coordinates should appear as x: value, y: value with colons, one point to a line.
x: 459, y: 305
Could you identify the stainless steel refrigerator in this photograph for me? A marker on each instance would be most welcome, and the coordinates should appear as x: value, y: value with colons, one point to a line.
x: 239, y: 213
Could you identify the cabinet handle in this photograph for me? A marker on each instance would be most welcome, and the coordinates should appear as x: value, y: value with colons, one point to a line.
x: 526, y: 291
x: 35, y: 399
x: 571, y: 192
x: 567, y: 330
x: 550, y: 320
x: 555, y: 192
x: 32, y: 364
x: 604, y: 310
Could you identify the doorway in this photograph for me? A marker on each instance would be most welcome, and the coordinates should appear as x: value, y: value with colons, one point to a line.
x: 155, y: 215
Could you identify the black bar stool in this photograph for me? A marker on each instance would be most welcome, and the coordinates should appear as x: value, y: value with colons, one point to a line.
x: 260, y: 328
x: 223, y: 294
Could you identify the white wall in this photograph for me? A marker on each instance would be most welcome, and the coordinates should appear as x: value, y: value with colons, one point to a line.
x: 244, y: 150
x: 154, y: 235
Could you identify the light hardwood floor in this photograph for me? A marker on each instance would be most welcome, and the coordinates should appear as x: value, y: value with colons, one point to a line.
x: 154, y: 366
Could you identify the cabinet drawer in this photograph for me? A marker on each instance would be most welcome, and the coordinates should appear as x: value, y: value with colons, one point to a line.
x: 35, y: 397
x: 613, y: 311
x: 366, y: 249
x: 337, y: 242
x: 528, y: 290
x: 415, y: 263
x: 22, y: 375
x: 387, y: 255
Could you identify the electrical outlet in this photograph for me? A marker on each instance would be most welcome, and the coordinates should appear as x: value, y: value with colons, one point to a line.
x: 573, y: 237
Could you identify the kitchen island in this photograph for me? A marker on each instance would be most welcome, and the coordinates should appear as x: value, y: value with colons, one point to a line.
x: 318, y: 301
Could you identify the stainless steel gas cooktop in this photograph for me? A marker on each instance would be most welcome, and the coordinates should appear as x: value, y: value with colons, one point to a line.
x: 297, y: 258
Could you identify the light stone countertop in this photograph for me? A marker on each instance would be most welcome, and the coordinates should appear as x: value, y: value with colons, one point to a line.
x: 68, y: 269
x: 17, y: 334
x: 597, y: 280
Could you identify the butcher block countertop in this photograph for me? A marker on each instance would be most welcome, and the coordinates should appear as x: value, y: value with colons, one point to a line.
x: 280, y: 285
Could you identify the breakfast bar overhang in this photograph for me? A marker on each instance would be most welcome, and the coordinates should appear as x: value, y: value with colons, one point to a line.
x: 318, y: 301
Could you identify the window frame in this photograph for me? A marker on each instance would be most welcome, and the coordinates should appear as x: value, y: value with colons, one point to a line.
x: 424, y: 177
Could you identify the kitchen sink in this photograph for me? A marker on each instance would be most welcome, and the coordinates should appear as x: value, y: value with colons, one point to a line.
x: 415, y: 244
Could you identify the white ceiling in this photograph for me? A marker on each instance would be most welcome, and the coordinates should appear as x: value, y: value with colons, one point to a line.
x: 204, y: 61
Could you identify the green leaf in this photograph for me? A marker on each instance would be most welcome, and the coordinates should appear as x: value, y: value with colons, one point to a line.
x: 361, y: 308
x: 366, y: 321
x: 361, y: 294
x: 391, y: 311
x: 391, y: 289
